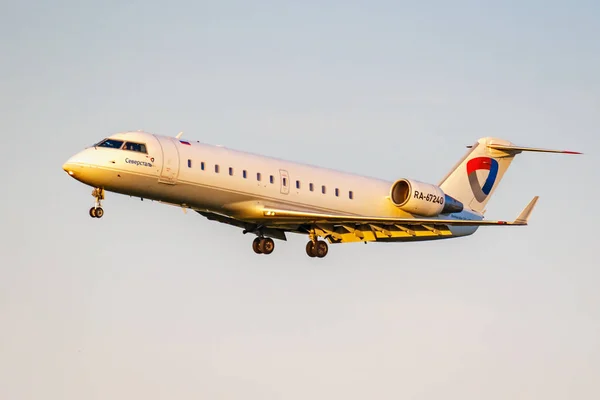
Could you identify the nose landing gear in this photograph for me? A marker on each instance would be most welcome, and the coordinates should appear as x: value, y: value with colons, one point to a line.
x: 97, y: 211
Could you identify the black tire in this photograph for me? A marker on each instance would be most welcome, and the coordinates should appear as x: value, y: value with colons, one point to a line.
x: 93, y: 212
x: 311, y: 249
x: 256, y: 246
x: 267, y: 245
x: 322, y: 249
x: 99, y: 212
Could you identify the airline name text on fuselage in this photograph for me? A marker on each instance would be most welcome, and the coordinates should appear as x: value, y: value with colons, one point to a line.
x: 138, y: 163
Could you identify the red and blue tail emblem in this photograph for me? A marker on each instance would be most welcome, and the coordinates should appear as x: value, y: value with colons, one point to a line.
x: 476, y: 164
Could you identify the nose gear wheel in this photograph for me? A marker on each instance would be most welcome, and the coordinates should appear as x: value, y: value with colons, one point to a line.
x: 96, y: 212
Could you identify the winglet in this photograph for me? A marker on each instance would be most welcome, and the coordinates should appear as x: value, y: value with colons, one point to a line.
x: 524, y: 216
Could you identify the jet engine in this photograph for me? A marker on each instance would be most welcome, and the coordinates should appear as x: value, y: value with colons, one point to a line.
x: 422, y: 199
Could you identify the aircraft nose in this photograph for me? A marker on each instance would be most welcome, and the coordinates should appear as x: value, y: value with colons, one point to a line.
x: 80, y: 166
x: 67, y: 169
x: 68, y: 166
x: 75, y: 165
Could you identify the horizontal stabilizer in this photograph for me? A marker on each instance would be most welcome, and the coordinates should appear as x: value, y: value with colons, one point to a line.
x: 513, y: 148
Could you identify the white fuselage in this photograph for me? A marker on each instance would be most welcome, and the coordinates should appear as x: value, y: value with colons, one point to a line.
x: 232, y: 183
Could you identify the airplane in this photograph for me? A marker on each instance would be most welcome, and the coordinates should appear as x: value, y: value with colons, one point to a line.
x: 269, y: 197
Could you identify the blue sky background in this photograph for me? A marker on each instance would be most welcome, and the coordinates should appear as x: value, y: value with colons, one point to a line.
x: 152, y: 303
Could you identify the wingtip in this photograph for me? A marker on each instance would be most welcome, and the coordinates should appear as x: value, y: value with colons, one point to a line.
x: 523, y: 218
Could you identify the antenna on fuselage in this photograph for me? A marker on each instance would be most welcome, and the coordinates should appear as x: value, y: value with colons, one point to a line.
x: 179, y: 135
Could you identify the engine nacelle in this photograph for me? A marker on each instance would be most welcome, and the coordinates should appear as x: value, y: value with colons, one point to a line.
x: 422, y: 199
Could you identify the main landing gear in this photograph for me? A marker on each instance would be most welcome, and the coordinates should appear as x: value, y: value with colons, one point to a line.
x: 262, y: 245
x: 315, y: 247
x: 97, y: 211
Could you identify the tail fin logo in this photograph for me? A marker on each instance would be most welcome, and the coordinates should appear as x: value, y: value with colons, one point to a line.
x: 479, y: 163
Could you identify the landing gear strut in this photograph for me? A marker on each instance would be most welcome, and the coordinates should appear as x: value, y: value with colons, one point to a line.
x: 262, y: 245
x: 97, y: 211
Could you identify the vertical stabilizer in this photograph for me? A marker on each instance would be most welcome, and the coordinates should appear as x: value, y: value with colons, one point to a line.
x: 475, y: 178
x: 477, y: 175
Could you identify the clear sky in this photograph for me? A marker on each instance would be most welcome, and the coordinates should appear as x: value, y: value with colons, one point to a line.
x: 152, y: 303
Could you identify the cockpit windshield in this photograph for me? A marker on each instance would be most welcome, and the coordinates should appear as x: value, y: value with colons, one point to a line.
x: 139, y: 147
x: 118, y: 144
x: 110, y: 143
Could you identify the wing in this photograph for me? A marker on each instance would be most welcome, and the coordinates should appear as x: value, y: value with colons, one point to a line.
x: 288, y: 216
x: 247, y: 226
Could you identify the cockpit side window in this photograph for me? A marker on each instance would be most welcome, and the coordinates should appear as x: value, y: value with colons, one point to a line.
x: 139, y: 147
x: 110, y: 143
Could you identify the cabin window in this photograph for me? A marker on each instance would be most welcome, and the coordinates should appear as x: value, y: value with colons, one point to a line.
x: 323, y: 189
x: 271, y: 179
x: 202, y: 165
x: 351, y: 195
x: 189, y: 163
x: 311, y: 187
x: 244, y: 174
x: 297, y: 184
x: 139, y: 147
x: 110, y: 143
x: 284, y: 181
x: 217, y: 168
x: 337, y: 192
x: 258, y: 176
x: 230, y: 171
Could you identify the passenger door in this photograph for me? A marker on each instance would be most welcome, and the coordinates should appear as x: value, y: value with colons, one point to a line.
x: 170, y: 161
x: 284, y: 181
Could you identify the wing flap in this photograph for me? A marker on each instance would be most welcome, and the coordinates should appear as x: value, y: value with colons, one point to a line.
x: 345, y: 233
